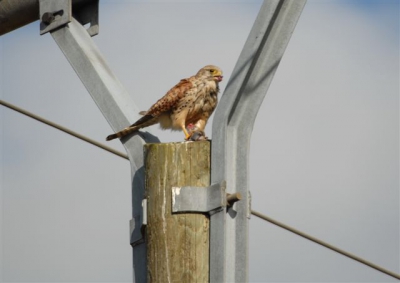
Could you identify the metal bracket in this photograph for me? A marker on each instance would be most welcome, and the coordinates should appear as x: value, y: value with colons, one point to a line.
x: 54, y: 14
x: 199, y: 199
x: 88, y: 13
x: 137, y: 226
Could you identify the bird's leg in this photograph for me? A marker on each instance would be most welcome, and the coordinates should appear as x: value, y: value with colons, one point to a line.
x: 190, y: 128
x: 187, y: 135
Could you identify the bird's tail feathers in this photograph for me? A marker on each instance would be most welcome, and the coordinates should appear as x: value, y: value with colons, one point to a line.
x: 143, y: 122
x: 122, y: 133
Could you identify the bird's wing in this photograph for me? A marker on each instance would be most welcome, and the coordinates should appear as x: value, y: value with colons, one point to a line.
x: 170, y: 99
x: 164, y: 104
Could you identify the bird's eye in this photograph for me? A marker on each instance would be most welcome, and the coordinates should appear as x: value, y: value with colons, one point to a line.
x: 212, y: 71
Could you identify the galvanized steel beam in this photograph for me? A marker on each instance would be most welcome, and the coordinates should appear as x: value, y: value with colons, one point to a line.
x: 232, y: 127
x: 120, y: 111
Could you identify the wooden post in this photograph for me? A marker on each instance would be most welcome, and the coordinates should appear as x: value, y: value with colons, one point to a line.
x: 177, y: 244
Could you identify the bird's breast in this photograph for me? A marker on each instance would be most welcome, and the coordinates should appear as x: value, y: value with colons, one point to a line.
x: 204, y: 102
x: 198, y: 103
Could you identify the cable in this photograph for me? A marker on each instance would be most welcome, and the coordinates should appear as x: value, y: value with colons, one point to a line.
x: 63, y: 129
x: 255, y: 213
x: 326, y: 245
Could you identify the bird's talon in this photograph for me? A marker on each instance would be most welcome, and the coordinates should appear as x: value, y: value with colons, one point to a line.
x: 198, y: 136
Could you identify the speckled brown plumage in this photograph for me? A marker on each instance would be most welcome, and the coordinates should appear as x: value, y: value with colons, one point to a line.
x: 191, y: 101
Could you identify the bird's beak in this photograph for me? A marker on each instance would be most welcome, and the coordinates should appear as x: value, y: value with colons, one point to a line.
x: 218, y: 77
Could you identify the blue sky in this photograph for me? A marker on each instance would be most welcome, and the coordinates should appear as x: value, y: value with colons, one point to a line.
x: 324, y: 153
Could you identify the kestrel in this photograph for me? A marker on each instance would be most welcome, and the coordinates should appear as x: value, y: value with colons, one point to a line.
x: 189, y: 104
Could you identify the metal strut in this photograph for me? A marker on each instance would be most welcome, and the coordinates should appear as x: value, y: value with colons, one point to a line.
x: 232, y: 127
x: 110, y: 96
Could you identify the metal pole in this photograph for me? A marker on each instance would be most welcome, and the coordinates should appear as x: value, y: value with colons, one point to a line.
x: 17, y: 13
x: 232, y: 127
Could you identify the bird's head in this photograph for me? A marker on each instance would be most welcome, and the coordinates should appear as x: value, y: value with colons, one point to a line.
x: 210, y: 72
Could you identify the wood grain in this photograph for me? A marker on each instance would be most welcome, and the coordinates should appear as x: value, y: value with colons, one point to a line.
x: 177, y: 244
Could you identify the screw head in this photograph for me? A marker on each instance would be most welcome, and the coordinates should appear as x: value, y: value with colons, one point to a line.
x: 48, y: 18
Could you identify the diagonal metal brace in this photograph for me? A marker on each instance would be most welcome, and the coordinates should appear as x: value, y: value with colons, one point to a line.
x: 199, y: 199
x: 118, y: 108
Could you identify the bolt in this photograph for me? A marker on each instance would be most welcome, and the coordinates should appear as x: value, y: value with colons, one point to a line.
x: 232, y: 198
x: 48, y: 18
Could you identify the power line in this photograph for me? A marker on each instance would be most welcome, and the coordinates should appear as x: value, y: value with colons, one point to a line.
x: 63, y: 129
x: 255, y: 213
x: 326, y: 245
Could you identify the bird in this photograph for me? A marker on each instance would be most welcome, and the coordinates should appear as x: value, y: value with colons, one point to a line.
x: 187, y: 106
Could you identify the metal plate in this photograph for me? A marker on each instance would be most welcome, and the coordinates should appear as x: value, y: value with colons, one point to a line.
x: 54, y: 14
x: 198, y: 199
